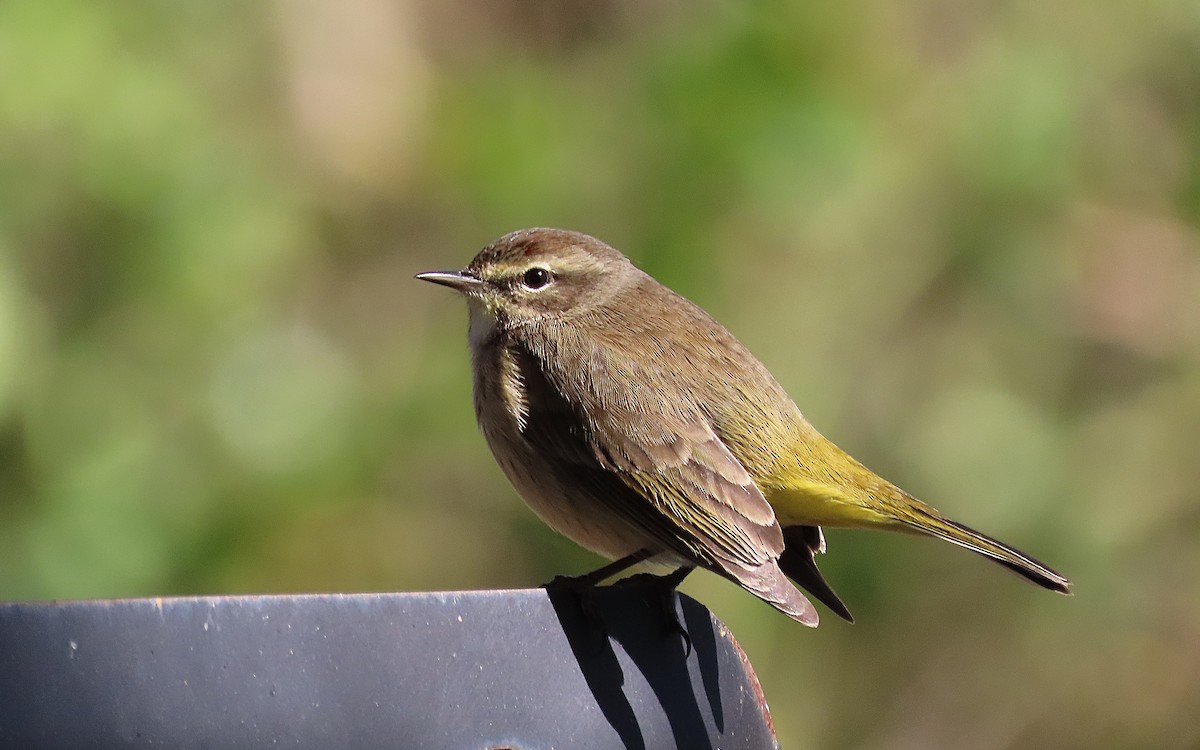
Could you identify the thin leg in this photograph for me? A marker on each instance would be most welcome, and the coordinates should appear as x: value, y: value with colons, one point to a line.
x: 671, y: 581
x: 580, y: 587
x: 588, y: 580
x: 663, y: 588
x: 666, y: 583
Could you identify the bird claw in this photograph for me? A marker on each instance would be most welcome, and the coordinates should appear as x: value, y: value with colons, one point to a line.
x: 662, y: 589
x: 580, y: 592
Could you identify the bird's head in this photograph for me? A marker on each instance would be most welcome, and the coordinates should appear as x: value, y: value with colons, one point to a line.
x: 538, y: 274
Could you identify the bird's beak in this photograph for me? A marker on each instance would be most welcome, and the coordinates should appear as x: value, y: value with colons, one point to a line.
x: 459, y: 281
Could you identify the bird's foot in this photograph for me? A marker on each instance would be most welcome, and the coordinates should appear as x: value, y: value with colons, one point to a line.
x: 581, y: 592
x: 662, y: 591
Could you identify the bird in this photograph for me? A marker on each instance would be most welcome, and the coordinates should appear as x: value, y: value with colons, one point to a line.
x: 635, y: 424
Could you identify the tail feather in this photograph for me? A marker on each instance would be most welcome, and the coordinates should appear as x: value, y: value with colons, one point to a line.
x: 927, y: 520
x: 770, y: 584
x: 798, y: 562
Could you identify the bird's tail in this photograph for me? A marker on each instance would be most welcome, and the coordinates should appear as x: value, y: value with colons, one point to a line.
x: 768, y: 583
x: 921, y: 518
x: 798, y: 562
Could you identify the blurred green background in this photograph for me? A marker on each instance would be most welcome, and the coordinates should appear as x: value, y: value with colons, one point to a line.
x: 962, y: 233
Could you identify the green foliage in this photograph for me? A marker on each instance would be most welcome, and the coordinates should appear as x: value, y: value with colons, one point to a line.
x: 963, y: 235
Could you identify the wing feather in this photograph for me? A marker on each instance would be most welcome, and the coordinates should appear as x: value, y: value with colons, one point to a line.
x: 682, y: 484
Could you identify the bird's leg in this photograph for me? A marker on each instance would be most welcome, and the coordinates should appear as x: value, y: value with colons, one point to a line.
x: 663, y: 588
x: 589, y: 580
x: 578, y: 586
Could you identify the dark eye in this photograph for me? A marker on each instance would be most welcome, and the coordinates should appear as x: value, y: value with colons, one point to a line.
x: 536, y: 278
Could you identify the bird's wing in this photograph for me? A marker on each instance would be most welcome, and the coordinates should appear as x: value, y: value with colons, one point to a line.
x: 686, y: 472
x: 663, y: 467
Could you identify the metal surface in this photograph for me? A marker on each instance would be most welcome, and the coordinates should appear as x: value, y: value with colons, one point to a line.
x: 487, y: 669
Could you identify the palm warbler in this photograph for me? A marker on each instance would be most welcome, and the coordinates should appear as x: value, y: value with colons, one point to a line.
x: 636, y: 425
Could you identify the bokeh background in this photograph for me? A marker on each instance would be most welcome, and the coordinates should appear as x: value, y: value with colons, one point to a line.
x: 962, y: 233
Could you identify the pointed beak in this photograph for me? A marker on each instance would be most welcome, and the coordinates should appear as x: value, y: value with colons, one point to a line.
x: 457, y: 280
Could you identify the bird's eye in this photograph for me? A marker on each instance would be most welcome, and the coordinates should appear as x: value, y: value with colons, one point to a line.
x: 536, y: 278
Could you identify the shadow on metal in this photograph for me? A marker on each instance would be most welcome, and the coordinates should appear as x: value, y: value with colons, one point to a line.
x: 682, y: 672
x: 485, y: 669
